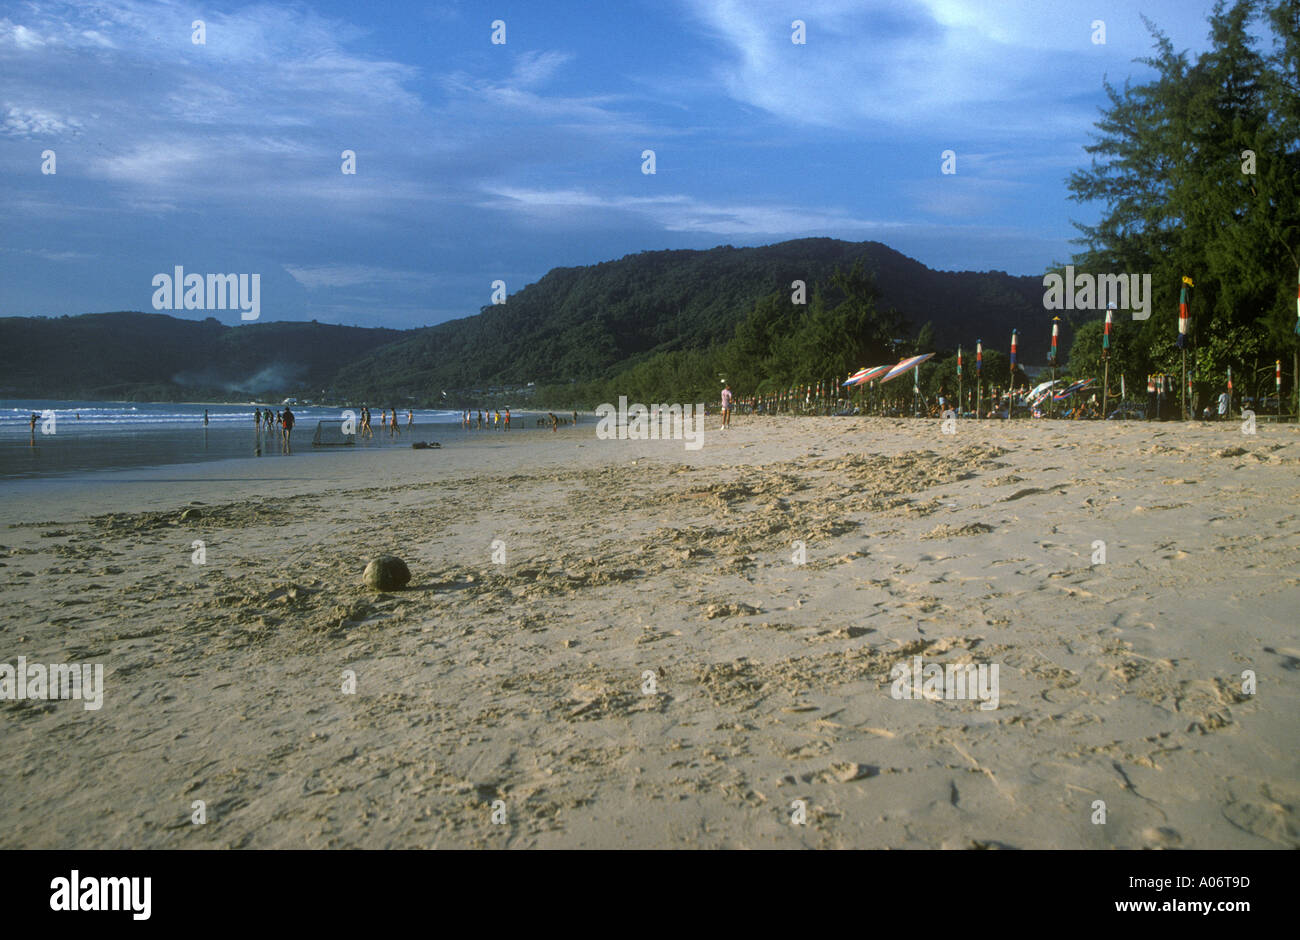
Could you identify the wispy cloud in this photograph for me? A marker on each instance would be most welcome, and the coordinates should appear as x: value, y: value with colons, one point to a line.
x: 678, y: 212
x: 350, y: 275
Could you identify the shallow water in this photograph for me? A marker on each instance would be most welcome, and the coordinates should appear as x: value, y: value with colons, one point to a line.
x: 89, y: 436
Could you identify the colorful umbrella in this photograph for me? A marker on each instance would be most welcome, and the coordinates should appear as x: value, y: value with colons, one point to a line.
x: 905, y: 365
x: 866, y: 375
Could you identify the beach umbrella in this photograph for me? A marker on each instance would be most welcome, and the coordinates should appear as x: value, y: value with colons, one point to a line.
x: 866, y: 375
x: 1072, y: 388
x: 906, y: 364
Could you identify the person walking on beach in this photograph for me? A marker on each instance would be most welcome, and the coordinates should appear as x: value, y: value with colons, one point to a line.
x: 286, y: 421
x: 396, y: 429
x: 35, y: 417
x: 410, y: 418
x: 726, y: 405
x: 1225, y: 403
x: 555, y: 422
x: 257, y: 419
x: 507, y: 425
x: 480, y: 419
x: 575, y: 419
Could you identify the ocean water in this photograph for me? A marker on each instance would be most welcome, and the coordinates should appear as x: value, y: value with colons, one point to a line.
x: 97, y: 435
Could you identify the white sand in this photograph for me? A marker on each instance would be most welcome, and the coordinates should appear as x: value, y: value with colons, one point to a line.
x: 522, y: 682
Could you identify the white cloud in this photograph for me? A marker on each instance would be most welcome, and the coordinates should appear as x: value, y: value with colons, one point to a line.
x: 1011, y: 67
x: 35, y: 122
x: 678, y: 213
x: 350, y: 275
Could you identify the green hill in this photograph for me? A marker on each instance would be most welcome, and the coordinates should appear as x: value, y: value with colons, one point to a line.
x: 584, y: 325
x: 589, y: 323
x: 155, y: 357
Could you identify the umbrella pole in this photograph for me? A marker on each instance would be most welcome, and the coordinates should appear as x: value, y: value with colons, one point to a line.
x: 1184, y: 396
x: 1105, y: 385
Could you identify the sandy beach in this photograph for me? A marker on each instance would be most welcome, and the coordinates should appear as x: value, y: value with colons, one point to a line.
x: 622, y: 642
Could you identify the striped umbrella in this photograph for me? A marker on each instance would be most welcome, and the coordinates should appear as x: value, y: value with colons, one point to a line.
x: 866, y: 375
x: 904, y: 366
x: 1071, y: 389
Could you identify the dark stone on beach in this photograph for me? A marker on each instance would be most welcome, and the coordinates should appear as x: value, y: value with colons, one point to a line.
x: 191, y: 514
x: 386, y: 573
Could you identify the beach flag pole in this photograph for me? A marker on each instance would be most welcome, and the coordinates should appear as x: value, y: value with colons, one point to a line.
x: 1011, y: 384
x: 1229, y: 391
x: 1277, y: 379
x: 961, y: 404
x: 1051, y: 355
x: 1105, y: 361
x: 979, y: 375
x: 1183, y: 323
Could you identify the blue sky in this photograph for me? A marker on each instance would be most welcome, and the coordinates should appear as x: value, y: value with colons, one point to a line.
x: 477, y: 162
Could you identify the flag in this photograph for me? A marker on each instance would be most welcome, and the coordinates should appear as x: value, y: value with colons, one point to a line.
x: 1051, y: 353
x: 1230, y: 379
x: 979, y: 356
x: 1277, y: 376
x: 1297, y: 303
x: 1105, y: 337
x: 959, y: 350
x: 1182, y: 313
x: 1013, y: 350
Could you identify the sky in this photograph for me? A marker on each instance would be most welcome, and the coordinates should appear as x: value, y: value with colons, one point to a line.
x: 479, y: 161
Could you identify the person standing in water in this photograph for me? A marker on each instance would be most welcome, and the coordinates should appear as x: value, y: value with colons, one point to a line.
x: 205, y: 417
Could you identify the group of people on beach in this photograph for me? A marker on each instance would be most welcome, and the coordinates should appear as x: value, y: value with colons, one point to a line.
x: 366, y: 430
x: 494, y: 420
x: 266, y: 420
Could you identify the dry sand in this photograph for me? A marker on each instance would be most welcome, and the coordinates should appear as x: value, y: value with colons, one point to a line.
x: 524, y: 682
